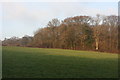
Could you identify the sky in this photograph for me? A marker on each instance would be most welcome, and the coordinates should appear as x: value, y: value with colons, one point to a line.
x: 24, y: 18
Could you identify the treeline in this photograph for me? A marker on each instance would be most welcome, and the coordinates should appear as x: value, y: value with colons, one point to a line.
x: 0, y: 43
x: 79, y: 33
x: 16, y: 41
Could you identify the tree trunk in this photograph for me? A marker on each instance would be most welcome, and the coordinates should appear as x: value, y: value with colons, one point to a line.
x: 97, y: 43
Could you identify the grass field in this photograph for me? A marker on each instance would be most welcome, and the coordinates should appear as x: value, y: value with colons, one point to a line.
x: 21, y: 62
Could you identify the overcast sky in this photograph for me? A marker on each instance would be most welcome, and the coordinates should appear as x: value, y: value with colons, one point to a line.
x: 23, y: 18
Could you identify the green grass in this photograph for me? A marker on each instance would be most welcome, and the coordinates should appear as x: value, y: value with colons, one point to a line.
x: 21, y: 62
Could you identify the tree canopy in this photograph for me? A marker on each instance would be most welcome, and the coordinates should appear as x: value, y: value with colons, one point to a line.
x: 79, y: 33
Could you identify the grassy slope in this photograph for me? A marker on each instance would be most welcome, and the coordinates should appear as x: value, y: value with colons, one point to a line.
x: 19, y: 62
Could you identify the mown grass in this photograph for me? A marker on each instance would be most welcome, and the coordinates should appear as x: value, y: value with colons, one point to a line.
x: 22, y: 62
